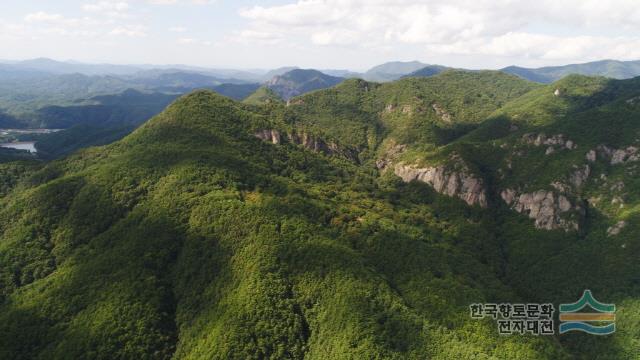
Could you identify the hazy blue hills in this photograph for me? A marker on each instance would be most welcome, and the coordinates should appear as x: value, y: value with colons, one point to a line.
x: 299, y: 81
x: 427, y: 71
x: 59, y: 67
x: 392, y: 70
x: 608, y: 68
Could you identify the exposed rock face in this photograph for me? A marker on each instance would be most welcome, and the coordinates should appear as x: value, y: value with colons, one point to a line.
x: 541, y: 139
x: 269, y: 135
x: 295, y: 102
x: 580, y: 176
x: 442, y: 113
x: 390, y: 156
x: 633, y: 101
x: 453, y: 183
x: 545, y: 207
x: 618, y: 156
x: 309, y: 142
x: 617, y: 228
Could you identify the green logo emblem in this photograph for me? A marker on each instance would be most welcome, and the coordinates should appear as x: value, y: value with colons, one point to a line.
x: 573, y: 320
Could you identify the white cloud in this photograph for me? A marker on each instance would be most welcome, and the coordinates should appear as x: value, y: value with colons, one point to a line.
x: 173, y: 2
x: 129, y: 31
x: 510, y: 28
x: 192, y: 41
x: 104, y: 6
x: 49, y: 19
x: 177, y: 29
x: 42, y: 16
x: 111, y: 9
x: 250, y: 36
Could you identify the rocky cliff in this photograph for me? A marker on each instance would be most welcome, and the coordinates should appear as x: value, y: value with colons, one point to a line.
x: 459, y: 183
x: 308, y: 141
x: 549, y: 210
x: 614, y: 156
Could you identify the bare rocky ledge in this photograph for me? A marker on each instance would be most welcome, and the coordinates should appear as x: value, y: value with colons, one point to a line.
x: 614, y: 156
x: 460, y: 183
x: 308, y: 141
x: 547, y: 209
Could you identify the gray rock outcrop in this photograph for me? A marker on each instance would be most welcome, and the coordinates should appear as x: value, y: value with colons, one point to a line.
x: 617, y: 228
x: 307, y: 141
x: 541, y: 139
x: 458, y: 183
x: 390, y: 156
x: 442, y: 113
x: 548, y: 210
x: 272, y: 136
x: 618, y: 156
x: 580, y: 176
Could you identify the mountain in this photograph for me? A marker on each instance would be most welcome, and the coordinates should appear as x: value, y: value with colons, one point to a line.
x: 263, y: 95
x: 427, y: 71
x: 106, y: 119
x: 21, y: 96
x: 608, y: 68
x: 392, y: 70
x: 358, y: 221
x: 54, y: 67
x: 347, y: 74
x: 128, y: 107
x: 7, y: 121
x: 298, y: 81
x: 277, y: 72
x: 236, y: 91
x: 58, y: 67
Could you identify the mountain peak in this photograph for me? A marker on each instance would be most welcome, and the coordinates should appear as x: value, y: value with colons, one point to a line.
x: 300, y: 81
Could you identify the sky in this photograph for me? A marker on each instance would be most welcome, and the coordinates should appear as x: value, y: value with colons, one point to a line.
x: 324, y: 34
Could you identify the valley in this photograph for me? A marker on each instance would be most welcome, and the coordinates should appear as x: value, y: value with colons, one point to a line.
x: 359, y: 220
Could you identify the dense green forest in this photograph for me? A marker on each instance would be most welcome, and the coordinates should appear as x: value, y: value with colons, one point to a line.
x: 270, y: 230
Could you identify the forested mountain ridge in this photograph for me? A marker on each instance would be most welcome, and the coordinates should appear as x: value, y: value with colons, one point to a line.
x: 610, y: 68
x: 271, y: 230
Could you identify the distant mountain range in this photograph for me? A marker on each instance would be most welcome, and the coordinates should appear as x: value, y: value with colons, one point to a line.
x: 28, y: 86
x: 392, y: 70
x: 429, y: 70
x: 297, y: 82
x: 608, y: 68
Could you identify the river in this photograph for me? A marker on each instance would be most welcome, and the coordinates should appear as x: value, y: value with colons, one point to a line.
x: 24, y: 145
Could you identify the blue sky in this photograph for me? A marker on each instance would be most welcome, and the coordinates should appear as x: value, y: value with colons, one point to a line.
x: 351, y: 34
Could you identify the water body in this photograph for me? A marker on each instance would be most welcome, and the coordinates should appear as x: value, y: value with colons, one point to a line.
x: 11, y: 138
x: 27, y: 131
x: 25, y: 145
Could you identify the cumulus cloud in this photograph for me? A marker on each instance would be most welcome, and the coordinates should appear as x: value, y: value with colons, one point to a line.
x: 253, y: 35
x: 42, y: 16
x: 192, y: 41
x: 172, y: 2
x: 129, y: 31
x: 106, y: 6
x: 112, y: 9
x: 103, y: 19
x: 498, y: 27
x: 177, y: 29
